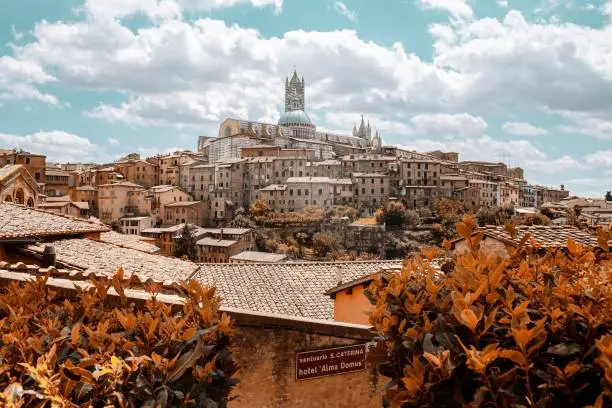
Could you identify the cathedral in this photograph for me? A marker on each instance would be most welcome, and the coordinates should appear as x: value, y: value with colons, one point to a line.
x: 294, y: 129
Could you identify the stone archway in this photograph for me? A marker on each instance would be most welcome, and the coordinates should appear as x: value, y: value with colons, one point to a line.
x: 19, y: 196
x: 8, y: 199
x: 30, y: 203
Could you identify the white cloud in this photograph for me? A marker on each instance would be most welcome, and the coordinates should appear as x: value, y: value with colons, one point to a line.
x: 607, y: 8
x: 113, y: 142
x: 16, y: 34
x: 595, y: 125
x: 502, y: 3
x: 523, y: 129
x: 18, y: 81
x: 457, y: 8
x: 343, y: 10
x: 56, y: 145
x: 602, y: 158
x: 440, y: 124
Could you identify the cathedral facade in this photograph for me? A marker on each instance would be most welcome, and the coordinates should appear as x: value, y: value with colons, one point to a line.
x: 294, y: 129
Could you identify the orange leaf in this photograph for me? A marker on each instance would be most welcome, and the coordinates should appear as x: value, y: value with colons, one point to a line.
x: 433, y: 360
x: 469, y: 318
x: 571, y: 246
x: 189, y: 333
x: 602, y: 238
x: 463, y: 230
x: 75, y: 334
x: 571, y: 368
x: 515, y: 356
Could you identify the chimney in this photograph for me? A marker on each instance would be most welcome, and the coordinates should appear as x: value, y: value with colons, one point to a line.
x: 48, y: 257
x: 339, y: 274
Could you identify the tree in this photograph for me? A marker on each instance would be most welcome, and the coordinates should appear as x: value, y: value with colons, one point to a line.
x: 494, y: 215
x: 609, y: 196
x: 532, y: 219
x: 530, y: 330
x: 185, y: 245
x: 340, y: 211
x: 393, y: 214
x: 241, y: 221
x: 323, y: 244
x: 260, y: 208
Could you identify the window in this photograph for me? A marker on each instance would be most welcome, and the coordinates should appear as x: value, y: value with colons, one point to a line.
x: 306, y: 192
x: 320, y: 191
x: 362, y: 190
x: 372, y: 182
x: 27, y: 160
x: 382, y: 190
x: 362, y: 181
x: 299, y: 192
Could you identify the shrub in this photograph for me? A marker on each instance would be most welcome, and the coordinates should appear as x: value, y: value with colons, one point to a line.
x: 260, y: 208
x: 80, y: 351
x: 394, y: 214
x: 532, y: 330
x: 494, y: 215
x: 185, y: 246
x: 340, y: 211
x: 532, y: 219
x: 323, y: 244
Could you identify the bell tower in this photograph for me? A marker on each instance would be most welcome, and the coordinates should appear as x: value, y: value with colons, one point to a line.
x: 294, y: 93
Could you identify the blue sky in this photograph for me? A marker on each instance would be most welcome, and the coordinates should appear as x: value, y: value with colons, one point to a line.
x: 526, y: 82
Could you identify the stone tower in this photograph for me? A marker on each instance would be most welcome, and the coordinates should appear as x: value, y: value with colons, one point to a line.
x: 294, y: 93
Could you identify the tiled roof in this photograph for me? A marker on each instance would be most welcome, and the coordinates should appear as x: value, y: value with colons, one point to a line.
x: 216, y: 242
x: 229, y: 231
x: 17, y: 221
x: 128, y: 241
x: 104, y: 258
x: 255, y: 256
x: 307, y: 180
x: 296, y: 289
x: 547, y: 236
x: 183, y: 204
x: 9, y: 169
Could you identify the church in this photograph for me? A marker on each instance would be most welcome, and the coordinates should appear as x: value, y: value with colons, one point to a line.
x: 294, y: 129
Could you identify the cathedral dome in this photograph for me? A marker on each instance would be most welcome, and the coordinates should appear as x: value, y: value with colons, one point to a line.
x: 295, y: 118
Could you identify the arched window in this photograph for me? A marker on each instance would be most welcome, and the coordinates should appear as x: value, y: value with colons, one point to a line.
x: 8, y: 199
x: 19, y: 196
x: 30, y: 202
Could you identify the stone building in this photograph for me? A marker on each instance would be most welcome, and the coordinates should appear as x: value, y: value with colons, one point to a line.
x: 370, y: 190
x: 56, y: 182
x: 139, y: 172
x: 211, y: 250
x: 74, y: 209
x: 489, y: 192
x: 181, y: 212
x: 135, y: 225
x: 18, y: 186
x: 35, y: 164
x: 119, y: 200
x: 160, y: 196
x: 87, y: 194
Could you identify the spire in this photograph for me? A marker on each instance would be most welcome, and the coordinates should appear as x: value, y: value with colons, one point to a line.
x: 362, y: 130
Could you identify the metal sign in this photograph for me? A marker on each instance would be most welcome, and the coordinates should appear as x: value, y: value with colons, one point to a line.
x: 332, y: 361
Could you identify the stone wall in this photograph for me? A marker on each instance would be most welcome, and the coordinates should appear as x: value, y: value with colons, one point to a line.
x: 267, y: 356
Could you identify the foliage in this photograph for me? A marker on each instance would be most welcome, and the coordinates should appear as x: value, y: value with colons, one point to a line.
x: 185, y: 245
x: 308, y: 216
x: 395, y: 214
x: 532, y: 219
x: 531, y: 330
x: 494, y: 215
x: 260, y: 208
x: 241, y: 221
x: 340, y: 211
x: 323, y: 244
x: 448, y: 211
x: 75, y: 351
x: 572, y: 216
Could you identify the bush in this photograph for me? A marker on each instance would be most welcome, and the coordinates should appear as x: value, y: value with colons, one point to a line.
x: 532, y: 219
x: 533, y: 330
x: 394, y: 214
x: 80, y: 351
x: 323, y: 244
x: 260, y: 208
x: 494, y: 215
x: 343, y: 211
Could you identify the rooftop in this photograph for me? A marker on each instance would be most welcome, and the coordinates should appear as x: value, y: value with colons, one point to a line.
x: 183, y: 203
x: 216, y: 242
x: 17, y: 221
x: 546, y: 236
x: 104, y: 258
x: 255, y: 256
x: 308, y: 180
x: 128, y: 241
x: 229, y: 231
x: 296, y: 289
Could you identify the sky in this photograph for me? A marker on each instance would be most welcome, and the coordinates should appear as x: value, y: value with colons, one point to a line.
x: 527, y: 82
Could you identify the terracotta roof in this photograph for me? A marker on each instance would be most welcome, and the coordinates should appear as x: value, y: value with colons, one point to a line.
x: 128, y: 241
x: 17, y: 221
x: 183, y: 204
x: 547, y: 236
x: 296, y: 289
x: 255, y: 256
x: 216, y: 242
x: 64, y: 198
x: 104, y: 258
